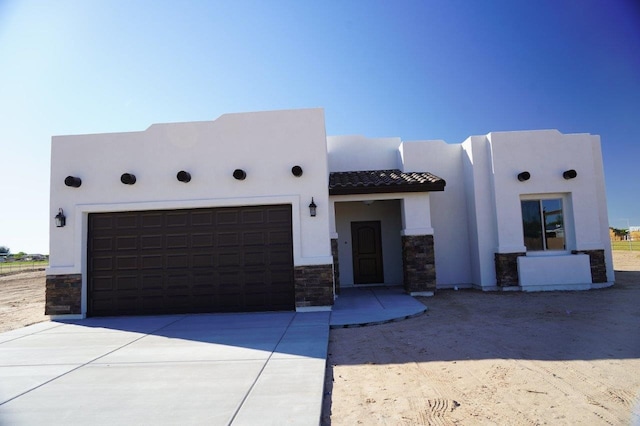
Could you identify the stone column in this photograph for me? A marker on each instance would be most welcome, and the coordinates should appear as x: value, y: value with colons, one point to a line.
x: 507, y: 269
x: 314, y: 285
x: 418, y: 264
x: 598, y: 265
x: 336, y: 264
x: 63, y: 294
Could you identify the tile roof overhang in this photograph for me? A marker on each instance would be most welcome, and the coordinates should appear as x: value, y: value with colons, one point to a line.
x: 383, y: 181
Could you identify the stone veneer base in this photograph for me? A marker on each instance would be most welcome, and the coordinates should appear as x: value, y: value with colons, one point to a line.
x: 313, y: 285
x: 336, y: 263
x: 598, y: 265
x: 63, y: 295
x: 507, y: 269
x: 418, y: 263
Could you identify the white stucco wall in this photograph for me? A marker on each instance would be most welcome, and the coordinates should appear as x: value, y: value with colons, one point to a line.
x: 448, y: 210
x: 481, y: 219
x: 352, y: 153
x: 264, y: 144
x: 492, y: 164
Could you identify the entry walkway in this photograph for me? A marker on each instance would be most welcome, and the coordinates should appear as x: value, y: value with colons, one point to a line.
x: 217, y: 369
x: 361, y: 306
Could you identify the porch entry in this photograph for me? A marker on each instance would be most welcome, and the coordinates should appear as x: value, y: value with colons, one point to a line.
x: 367, y: 252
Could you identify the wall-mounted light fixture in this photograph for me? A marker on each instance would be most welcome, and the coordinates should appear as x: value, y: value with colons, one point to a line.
x: 297, y: 171
x: 569, y: 174
x: 312, y: 208
x: 128, y: 178
x: 183, y: 176
x: 60, y: 218
x: 524, y: 176
x: 239, y: 174
x: 73, y: 181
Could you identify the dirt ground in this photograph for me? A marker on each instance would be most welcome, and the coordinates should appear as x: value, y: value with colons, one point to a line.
x: 489, y: 358
x: 21, y: 299
x: 472, y: 358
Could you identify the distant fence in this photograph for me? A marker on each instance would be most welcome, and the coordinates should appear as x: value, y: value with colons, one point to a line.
x: 14, y: 267
x: 625, y: 245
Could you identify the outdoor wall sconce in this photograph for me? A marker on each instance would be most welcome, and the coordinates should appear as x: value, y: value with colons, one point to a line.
x: 312, y: 208
x: 60, y: 218
x: 183, y: 176
x: 128, y: 178
x: 239, y: 174
x: 297, y: 171
x: 569, y: 174
x: 524, y: 176
x: 73, y: 181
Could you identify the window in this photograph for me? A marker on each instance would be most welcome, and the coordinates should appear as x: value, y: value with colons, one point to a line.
x: 543, y: 224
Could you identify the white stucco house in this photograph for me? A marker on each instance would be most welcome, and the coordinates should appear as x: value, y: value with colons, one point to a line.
x: 263, y: 211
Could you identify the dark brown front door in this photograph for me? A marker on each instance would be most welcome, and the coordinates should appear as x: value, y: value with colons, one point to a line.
x: 367, y: 252
x: 226, y: 259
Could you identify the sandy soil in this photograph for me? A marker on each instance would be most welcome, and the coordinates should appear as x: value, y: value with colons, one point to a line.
x: 21, y: 299
x: 489, y: 358
x: 473, y: 358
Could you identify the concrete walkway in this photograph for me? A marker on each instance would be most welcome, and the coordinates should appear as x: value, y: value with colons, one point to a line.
x: 216, y: 369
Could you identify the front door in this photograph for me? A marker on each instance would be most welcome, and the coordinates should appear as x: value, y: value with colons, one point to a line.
x: 367, y: 252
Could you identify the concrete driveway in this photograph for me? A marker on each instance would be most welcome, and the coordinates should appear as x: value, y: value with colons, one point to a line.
x: 218, y: 369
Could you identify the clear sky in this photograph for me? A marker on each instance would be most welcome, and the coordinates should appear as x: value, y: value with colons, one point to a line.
x: 431, y: 69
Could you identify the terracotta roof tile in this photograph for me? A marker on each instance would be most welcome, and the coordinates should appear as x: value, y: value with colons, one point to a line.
x: 383, y: 181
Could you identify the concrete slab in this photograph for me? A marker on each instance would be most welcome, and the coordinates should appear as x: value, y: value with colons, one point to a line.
x: 361, y: 306
x: 26, y: 331
x: 16, y: 380
x: 215, y: 369
x: 277, y: 400
x: 49, y: 349
x: 148, y: 393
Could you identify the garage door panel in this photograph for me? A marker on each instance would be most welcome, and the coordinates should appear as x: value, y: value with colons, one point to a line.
x: 255, y: 259
x: 202, y: 240
x: 102, y: 244
x: 148, y: 242
x: 253, y: 217
x: 205, y: 260
x: 127, y: 263
x: 177, y: 241
x: 202, y: 218
x: 200, y: 260
x: 151, y: 220
x: 127, y: 282
x: 103, y: 283
x: 126, y: 221
x: 279, y: 257
x: 126, y: 243
x: 102, y: 263
x: 228, y: 239
x: 278, y: 216
x: 152, y: 261
x: 150, y: 282
x: 227, y: 217
x: 253, y: 238
x: 229, y: 260
x: 177, y: 261
x: 177, y: 219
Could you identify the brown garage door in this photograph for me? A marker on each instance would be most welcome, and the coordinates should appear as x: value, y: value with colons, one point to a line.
x: 199, y: 260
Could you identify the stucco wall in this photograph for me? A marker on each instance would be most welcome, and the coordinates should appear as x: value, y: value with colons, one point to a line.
x: 493, y: 162
x: 264, y: 144
x: 448, y: 208
x: 351, y: 153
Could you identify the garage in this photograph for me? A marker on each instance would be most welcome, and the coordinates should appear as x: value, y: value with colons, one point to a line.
x: 228, y: 259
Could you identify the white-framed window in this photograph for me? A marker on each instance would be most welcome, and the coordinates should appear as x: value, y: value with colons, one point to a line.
x: 543, y: 223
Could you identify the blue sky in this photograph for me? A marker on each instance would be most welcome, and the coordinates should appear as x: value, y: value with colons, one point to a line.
x: 433, y: 69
